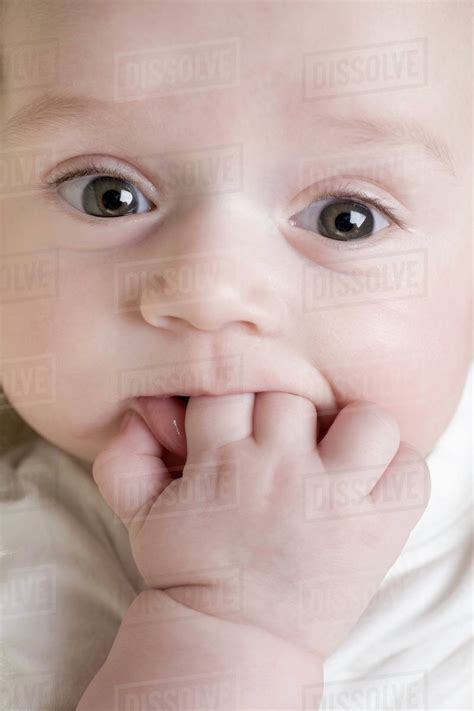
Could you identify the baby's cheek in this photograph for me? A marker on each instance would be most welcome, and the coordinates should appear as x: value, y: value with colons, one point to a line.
x: 394, y: 353
x: 61, y: 360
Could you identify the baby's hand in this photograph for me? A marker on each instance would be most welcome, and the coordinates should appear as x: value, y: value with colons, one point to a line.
x: 265, y: 527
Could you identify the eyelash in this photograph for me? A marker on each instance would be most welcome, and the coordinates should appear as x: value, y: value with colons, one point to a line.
x: 89, y: 168
x: 343, y: 192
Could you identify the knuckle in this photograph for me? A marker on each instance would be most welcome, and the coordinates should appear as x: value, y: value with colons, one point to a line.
x: 387, y: 420
x: 378, y: 413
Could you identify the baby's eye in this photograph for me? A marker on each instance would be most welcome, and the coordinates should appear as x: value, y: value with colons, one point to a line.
x: 104, y: 196
x: 341, y: 219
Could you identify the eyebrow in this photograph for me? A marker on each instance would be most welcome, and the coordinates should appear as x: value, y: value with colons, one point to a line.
x: 53, y: 111
x: 398, y: 133
x: 48, y: 112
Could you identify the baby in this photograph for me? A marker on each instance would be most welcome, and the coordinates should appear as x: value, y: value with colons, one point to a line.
x: 236, y: 258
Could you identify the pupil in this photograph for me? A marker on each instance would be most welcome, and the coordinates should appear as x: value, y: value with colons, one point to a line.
x: 343, y: 222
x: 112, y: 200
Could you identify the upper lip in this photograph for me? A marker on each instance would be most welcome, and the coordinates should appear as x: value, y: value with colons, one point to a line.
x: 316, y: 389
x: 214, y: 368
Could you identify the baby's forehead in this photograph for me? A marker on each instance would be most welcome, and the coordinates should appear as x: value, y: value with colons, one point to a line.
x: 359, y: 41
x: 319, y: 25
x: 259, y: 71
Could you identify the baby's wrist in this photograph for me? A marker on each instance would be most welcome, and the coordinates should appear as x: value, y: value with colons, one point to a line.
x: 165, y: 650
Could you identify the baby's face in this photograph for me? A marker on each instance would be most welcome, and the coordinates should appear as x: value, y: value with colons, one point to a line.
x: 228, y: 119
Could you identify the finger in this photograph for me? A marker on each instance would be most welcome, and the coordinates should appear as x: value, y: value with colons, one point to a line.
x: 360, y: 444
x: 130, y: 473
x: 213, y: 421
x: 285, y: 421
x: 405, y: 486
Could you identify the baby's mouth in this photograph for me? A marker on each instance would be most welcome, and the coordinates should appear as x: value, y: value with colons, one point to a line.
x: 165, y: 418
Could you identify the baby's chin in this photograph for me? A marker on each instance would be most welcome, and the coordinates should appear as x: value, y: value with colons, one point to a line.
x: 84, y: 440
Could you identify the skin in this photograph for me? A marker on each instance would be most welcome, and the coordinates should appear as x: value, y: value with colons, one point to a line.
x: 194, y: 618
x: 297, y: 364
x: 330, y: 355
x: 265, y: 443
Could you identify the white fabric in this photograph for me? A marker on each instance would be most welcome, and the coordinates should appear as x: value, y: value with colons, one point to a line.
x: 67, y: 577
x: 412, y: 648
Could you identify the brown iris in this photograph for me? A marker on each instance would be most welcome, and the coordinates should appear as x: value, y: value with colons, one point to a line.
x: 345, y: 220
x: 109, y: 197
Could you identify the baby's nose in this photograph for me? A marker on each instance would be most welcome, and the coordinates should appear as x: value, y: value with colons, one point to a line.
x: 222, y: 271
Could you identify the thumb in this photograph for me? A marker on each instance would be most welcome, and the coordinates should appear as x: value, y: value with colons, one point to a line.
x: 130, y: 473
